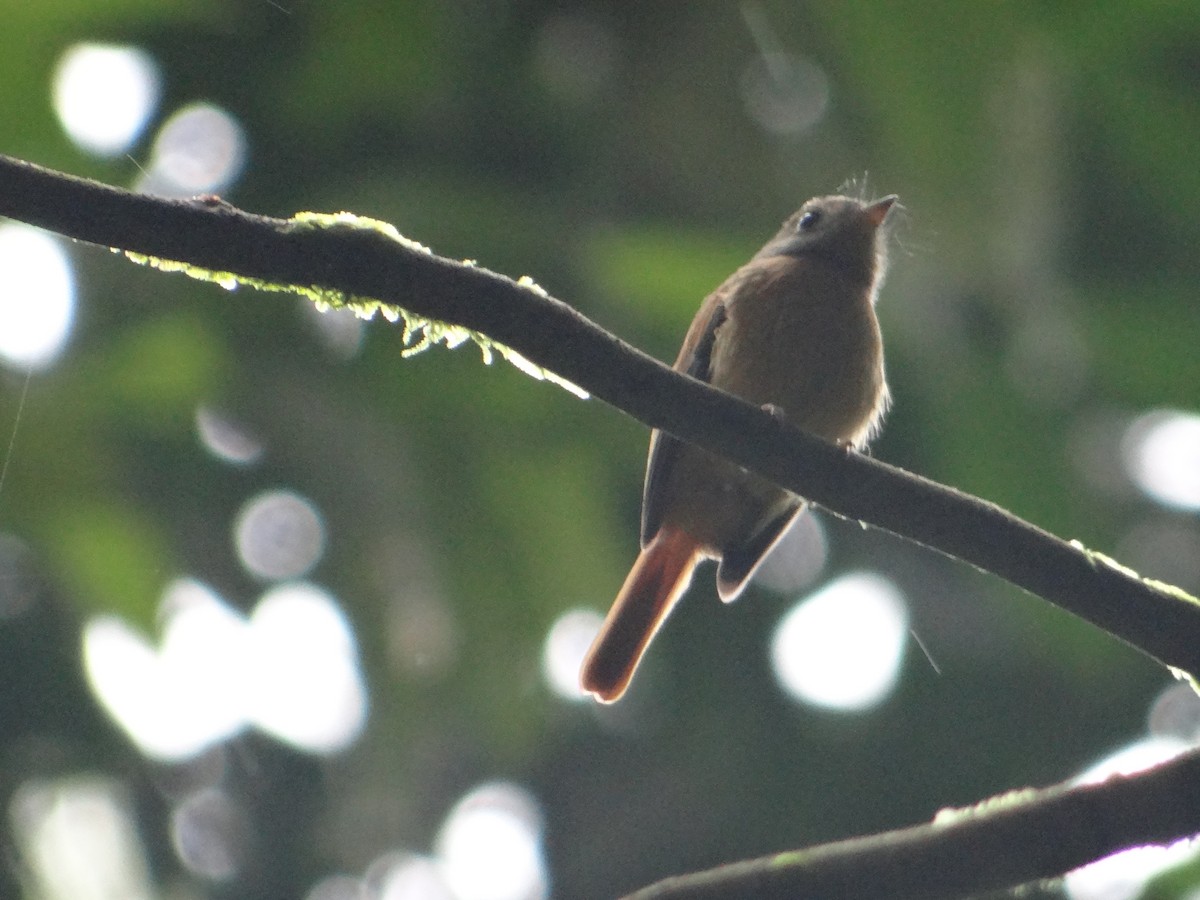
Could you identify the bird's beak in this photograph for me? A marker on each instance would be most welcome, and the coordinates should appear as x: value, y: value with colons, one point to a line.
x: 878, y: 210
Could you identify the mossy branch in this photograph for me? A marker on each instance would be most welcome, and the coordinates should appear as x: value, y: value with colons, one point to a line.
x: 420, y: 333
x: 348, y: 261
x: 1006, y: 841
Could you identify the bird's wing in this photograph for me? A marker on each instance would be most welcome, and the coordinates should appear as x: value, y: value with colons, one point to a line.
x: 695, y: 359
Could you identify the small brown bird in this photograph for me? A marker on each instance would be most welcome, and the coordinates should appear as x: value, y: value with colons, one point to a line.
x: 793, y: 329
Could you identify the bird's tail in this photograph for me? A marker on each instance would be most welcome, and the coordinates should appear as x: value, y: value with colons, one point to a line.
x: 658, y: 578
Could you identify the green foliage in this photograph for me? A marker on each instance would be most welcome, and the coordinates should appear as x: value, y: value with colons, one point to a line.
x: 657, y: 273
x: 113, y: 557
x: 1045, y: 157
x: 158, y: 370
x: 1146, y: 332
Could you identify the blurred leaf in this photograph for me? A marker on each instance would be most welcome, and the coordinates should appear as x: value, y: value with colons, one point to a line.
x: 663, y: 274
x: 1146, y: 335
x: 154, y: 375
x: 114, y: 557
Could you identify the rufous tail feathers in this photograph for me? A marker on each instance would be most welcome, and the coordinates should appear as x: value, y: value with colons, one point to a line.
x: 658, y: 578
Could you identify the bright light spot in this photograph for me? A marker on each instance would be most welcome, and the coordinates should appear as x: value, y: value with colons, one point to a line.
x: 490, y: 846
x: 795, y: 562
x: 104, y: 94
x: 1175, y: 713
x: 339, y: 329
x: 204, y: 649
x: 1135, y: 758
x: 1122, y: 876
x: 225, y: 439
x: 79, y: 841
x: 200, y: 149
x: 37, y: 302
x: 19, y: 587
x: 291, y: 670
x: 177, y: 701
x: 409, y: 878
x: 305, y: 686
x: 1162, y: 456
x: 122, y: 669
x: 785, y: 93
x: 567, y: 643
x: 209, y: 831
x: 842, y: 647
x: 279, y: 535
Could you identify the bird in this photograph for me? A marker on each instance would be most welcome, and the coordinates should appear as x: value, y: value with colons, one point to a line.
x: 793, y: 330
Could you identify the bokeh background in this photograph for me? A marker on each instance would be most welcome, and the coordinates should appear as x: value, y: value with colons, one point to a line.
x: 283, y: 614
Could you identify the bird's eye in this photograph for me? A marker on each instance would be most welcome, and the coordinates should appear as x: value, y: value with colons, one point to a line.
x: 808, y: 221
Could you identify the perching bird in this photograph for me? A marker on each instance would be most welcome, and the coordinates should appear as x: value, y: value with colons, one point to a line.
x: 793, y: 329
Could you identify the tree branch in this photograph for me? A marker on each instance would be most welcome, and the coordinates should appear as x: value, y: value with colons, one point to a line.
x: 1161, y: 621
x: 1001, y: 843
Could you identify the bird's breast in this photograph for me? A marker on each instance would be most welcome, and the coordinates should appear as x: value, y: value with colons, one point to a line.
x: 806, y: 340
